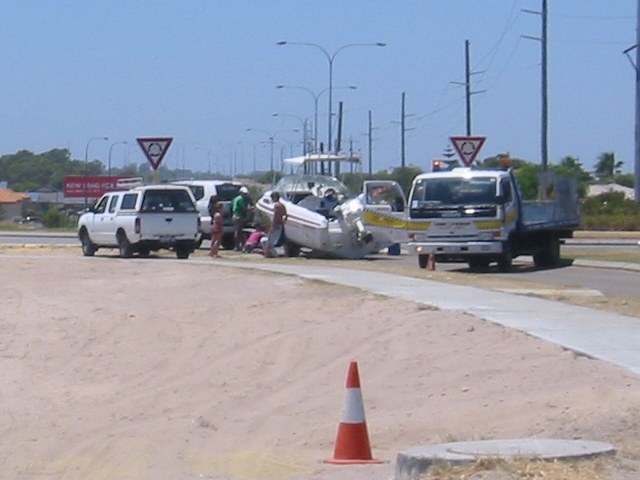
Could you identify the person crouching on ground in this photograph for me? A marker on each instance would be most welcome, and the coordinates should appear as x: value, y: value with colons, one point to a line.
x: 254, y: 241
x: 216, y: 229
x: 277, y: 225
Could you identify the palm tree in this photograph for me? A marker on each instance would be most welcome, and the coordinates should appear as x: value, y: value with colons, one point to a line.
x: 607, y: 165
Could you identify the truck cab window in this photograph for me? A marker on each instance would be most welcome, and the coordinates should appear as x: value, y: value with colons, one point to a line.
x: 113, y: 203
x: 101, y: 207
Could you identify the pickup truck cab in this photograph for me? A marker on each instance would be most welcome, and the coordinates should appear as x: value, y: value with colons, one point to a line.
x: 226, y: 191
x: 141, y: 220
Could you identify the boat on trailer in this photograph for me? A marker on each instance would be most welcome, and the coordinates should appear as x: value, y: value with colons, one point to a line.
x: 323, y: 216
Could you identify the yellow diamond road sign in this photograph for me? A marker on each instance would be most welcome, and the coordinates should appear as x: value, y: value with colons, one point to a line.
x: 468, y: 148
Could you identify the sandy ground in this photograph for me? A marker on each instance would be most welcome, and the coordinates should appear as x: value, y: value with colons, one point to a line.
x: 165, y: 369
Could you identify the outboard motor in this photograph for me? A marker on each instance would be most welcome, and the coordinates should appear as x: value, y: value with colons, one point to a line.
x: 352, y: 216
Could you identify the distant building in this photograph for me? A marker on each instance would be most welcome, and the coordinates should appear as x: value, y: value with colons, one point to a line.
x: 12, y: 204
x: 595, y: 190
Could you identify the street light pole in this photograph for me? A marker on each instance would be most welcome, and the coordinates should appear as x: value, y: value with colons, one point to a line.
x: 271, y: 139
x: 86, y: 168
x: 330, y: 59
x: 303, y: 122
x: 110, y: 149
x: 316, y: 97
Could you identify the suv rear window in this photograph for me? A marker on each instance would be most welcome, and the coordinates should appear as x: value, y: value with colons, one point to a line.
x: 167, y: 201
x: 227, y: 192
x: 198, y: 191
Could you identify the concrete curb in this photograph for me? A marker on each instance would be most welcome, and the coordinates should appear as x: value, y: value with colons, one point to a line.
x: 413, y: 463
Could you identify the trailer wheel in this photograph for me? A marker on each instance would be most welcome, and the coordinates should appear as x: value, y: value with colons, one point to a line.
x: 423, y: 260
x: 291, y: 249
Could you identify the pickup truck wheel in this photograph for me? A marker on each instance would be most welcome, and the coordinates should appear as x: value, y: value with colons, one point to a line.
x: 182, y: 253
x: 423, y: 260
x: 228, y: 242
x: 126, y: 250
x: 88, y: 247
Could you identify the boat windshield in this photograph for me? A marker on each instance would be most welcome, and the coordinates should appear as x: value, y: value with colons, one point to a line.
x: 436, y: 192
x: 306, y: 183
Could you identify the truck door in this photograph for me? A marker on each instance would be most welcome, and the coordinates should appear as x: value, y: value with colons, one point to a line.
x: 385, y: 209
x: 508, y: 200
x: 98, y: 228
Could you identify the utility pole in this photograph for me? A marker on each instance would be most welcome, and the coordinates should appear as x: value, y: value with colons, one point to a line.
x: 543, y: 94
x: 338, y: 139
x: 467, y: 84
x: 403, y: 129
x: 636, y: 67
x: 371, y: 143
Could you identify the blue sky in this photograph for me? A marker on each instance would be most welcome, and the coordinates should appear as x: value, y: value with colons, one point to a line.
x: 203, y: 72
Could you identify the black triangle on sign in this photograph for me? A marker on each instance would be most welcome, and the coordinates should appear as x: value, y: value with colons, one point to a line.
x: 468, y: 148
x: 154, y: 149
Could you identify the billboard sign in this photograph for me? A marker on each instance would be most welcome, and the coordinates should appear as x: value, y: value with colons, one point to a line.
x: 92, y: 186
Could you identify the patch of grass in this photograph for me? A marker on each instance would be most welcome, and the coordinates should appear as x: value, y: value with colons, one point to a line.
x: 524, y: 468
x: 627, y: 255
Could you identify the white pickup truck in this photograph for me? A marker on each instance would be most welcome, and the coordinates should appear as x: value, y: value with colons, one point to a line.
x: 142, y: 220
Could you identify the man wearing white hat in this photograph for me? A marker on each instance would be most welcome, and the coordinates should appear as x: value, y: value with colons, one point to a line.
x: 239, y: 209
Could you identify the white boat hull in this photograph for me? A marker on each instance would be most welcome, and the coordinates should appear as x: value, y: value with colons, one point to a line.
x: 329, y: 236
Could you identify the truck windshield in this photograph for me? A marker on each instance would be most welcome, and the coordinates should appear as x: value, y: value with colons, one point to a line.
x: 435, y: 192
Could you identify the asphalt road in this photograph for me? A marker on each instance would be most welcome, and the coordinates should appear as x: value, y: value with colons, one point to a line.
x: 610, y: 282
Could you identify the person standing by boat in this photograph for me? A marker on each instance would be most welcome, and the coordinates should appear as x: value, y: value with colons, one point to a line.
x: 276, y: 231
x: 239, y: 210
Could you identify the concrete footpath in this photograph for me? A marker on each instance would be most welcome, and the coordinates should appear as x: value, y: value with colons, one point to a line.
x: 598, y: 334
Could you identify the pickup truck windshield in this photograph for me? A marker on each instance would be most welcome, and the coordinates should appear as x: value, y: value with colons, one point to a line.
x: 442, y: 192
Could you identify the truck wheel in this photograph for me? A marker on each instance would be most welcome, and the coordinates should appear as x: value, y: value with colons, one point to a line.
x: 478, y: 263
x: 505, y: 260
x: 88, y: 247
x: 126, y: 250
x: 553, y: 248
x: 183, y: 252
x: 549, y: 255
x: 423, y: 260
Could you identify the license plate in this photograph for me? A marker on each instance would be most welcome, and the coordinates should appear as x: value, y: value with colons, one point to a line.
x: 167, y: 239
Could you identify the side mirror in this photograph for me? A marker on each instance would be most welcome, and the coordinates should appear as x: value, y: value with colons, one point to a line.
x: 501, y: 199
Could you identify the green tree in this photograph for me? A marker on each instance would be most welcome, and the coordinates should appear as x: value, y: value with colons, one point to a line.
x: 607, y: 166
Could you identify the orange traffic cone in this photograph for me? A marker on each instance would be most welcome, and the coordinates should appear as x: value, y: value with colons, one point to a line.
x: 352, y: 440
x: 431, y: 262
